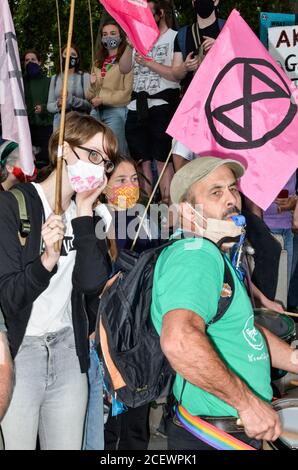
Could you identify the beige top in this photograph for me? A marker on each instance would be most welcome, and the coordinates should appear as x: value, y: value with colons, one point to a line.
x: 114, y: 89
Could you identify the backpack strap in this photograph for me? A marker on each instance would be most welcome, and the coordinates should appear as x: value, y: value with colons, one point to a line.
x: 196, y: 35
x: 224, y: 302
x: 181, y: 36
x: 25, y: 225
x: 82, y: 84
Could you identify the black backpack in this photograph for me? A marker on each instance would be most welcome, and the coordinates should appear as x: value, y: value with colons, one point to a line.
x: 127, y: 341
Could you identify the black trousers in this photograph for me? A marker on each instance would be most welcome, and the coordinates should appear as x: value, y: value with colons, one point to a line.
x: 129, y: 430
x: 267, y: 254
x: 180, y: 439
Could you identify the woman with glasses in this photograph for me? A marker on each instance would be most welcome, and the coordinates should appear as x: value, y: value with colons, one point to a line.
x: 49, y: 298
x: 78, y: 84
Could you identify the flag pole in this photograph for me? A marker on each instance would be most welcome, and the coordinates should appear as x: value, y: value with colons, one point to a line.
x: 151, y: 198
x: 92, y: 35
x: 59, y: 36
x: 62, y: 121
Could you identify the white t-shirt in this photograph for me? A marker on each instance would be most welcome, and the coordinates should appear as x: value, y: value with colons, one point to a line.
x: 183, y: 151
x: 149, y: 81
x: 52, y: 309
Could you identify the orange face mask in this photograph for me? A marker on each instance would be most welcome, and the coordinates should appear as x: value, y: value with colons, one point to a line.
x: 123, y: 197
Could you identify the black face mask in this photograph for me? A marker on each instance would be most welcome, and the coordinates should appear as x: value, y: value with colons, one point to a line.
x: 204, y: 8
x: 33, y: 70
x: 73, y: 62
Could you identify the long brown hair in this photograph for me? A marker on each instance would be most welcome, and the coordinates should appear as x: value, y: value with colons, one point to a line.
x: 77, y: 67
x: 102, y: 52
x: 79, y: 128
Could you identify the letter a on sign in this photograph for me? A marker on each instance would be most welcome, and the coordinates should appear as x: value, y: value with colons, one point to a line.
x: 241, y: 105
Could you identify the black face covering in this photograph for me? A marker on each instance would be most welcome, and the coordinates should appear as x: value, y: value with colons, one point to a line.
x: 204, y: 8
x: 73, y: 62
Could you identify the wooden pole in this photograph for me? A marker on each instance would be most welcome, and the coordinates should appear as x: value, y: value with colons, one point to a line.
x: 62, y: 122
x: 92, y: 36
x: 59, y: 35
x: 151, y: 198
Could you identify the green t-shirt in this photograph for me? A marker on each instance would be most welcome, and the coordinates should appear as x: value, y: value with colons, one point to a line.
x: 189, y: 275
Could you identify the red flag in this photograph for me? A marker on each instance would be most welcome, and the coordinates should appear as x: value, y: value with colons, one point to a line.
x: 240, y: 104
x: 136, y: 18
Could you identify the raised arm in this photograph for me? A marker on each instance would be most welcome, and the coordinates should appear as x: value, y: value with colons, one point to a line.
x: 126, y: 61
x: 20, y: 284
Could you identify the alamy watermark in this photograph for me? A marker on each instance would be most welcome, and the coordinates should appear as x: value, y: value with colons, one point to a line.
x: 160, y: 222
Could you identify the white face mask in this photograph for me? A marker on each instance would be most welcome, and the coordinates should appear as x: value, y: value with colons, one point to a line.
x: 84, y: 176
x: 217, y: 229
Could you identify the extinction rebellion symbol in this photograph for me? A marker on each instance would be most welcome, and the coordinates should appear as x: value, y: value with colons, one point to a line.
x: 247, y: 122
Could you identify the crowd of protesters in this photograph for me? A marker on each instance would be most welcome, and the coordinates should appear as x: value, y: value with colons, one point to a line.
x: 115, y: 148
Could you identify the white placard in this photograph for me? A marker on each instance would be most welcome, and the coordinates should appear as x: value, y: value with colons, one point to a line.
x: 283, y: 46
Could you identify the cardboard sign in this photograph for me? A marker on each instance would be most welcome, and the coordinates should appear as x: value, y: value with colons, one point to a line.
x: 270, y: 20
x: 283, y: 46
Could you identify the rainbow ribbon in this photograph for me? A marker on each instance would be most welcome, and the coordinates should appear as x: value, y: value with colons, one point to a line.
x: 208, y: 433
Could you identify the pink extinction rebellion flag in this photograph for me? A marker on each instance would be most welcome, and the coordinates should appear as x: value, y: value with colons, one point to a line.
x: 241, y: 105
x: 12, y: 100
x: 135, y: 17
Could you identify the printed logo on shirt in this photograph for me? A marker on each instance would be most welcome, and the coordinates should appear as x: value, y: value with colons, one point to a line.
x: 252, y: 335
x: 67, y: 245
x: 144, y: 78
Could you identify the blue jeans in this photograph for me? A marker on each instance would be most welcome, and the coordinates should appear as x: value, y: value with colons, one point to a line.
x: 115, y: 118
x: 94, y: 426
x: 50, y: 395
x: 288, y: 238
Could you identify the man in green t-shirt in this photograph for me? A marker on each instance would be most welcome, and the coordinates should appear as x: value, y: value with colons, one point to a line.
x: 6, y: 373
x: 222, y: 370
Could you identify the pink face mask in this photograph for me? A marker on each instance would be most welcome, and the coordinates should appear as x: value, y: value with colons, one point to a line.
x: 84, y: 176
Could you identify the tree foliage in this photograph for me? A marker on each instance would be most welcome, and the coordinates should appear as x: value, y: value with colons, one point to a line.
x: 249, y: 9
x: 36, y: 20
x: 37, y: 27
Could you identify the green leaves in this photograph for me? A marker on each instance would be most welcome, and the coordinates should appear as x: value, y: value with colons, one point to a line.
x: 249, y: 9
x: 36, y: 26
x: 36, y: 21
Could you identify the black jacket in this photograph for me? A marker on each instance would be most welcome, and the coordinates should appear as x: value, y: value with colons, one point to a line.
x: 23, y: 277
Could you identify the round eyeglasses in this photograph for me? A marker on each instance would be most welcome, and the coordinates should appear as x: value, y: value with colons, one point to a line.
x: 95, y: 157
